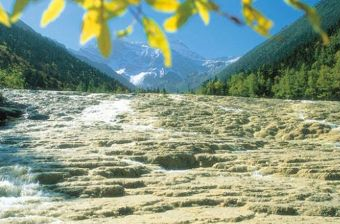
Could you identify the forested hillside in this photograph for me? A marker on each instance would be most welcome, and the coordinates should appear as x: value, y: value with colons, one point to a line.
x: 29, y: 60
x: 293, y: 64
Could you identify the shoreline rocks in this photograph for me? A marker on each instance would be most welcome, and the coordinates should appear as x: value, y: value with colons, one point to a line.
x: 8, y: 112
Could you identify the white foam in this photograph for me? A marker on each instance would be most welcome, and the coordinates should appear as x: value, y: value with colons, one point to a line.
x: 231, y: 110
x: 142, y: 128
x: 257, y: 175
x: 34, y: 219
x: 172, y: 171
x: 132, y: 162
x: 308, y: 101
x: 17, y: 187
x: 176, y: 97
x: 106, y: 111
x: 332, y: 125
x: 302, y: 116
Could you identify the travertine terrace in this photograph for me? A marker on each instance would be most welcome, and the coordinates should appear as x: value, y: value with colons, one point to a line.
x: 100, y: 158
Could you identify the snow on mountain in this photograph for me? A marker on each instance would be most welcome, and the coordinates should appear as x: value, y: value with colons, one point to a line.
x: 138, y: 79
x: 143, y: 66
x: 182, y: 49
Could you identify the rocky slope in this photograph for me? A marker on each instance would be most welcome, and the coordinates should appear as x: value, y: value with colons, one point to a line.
x: 79, y: 158
x: 143, y: 66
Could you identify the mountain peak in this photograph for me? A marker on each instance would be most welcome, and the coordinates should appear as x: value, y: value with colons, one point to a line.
x: 144, y: 67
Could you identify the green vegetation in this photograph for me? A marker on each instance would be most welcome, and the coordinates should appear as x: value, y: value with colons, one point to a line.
x: 293, y: 64
x: 314, y: 75
x: 28, y: 60
x: 150, y: 90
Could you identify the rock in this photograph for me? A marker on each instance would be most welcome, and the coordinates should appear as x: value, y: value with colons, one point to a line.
x: 306, y: 131
x: 289, y: 170
x: 335, y: 175
x: 133, y: 184
x: 320, y: 197
x: 9, y: 112
x: 50, y: 177
x: 222, y: 165
x: 125, y: 211
x: 72, y: 191
x: 78, y: 172
x: 238, y: 169
x: 104, y: 191
x: 274, y: 209
x: 121, y: 172
x: 38, y: 117
x: 324, y: 211
x: 175, y: 161
x: 208, y: 160
x: 198, y: 202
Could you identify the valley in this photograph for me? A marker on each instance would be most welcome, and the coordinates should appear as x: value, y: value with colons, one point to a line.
x: 142, y: 66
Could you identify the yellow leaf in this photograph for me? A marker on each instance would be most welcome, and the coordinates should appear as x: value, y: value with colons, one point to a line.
x: 89, y: 4
x: 53, y: 12
x: 313, y: 17
x: 95, y: 22
x: 109, y: 9
x: 91, y: 26
x: 4, y: 19
x: 125, y: 32
x: 19, y: 6
x: 256, y: 19
x: 203, y: 10
x: 134, y: 2
x: 164, y: 5
x: 157, y: 39
x: 115, y: 8
x: 104, y: 40
x: 183, y: 13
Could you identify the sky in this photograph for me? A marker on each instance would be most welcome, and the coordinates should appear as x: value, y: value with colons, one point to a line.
x: 221, y: 38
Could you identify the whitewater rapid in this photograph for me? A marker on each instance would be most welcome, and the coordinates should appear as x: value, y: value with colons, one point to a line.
x: 46, y: 118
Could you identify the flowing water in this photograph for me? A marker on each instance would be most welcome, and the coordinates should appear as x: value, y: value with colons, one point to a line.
x: 148, y: 158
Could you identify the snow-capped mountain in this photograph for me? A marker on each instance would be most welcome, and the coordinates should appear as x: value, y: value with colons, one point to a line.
x: 143, y: 66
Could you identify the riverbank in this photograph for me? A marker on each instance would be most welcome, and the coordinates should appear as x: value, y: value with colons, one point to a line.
x: 9, y: 111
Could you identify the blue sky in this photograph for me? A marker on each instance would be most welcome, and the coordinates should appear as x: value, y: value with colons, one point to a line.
x: 221, y: 38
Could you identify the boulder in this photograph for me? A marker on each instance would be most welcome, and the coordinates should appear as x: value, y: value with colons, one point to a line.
x: 104, y: 191
x: 9, y: 112
x: 50, y: 178
x: 176, y: 161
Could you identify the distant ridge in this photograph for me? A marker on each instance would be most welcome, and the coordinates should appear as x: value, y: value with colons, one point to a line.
x: 29, y: 60
x: 293, y: 64
x: 104, y: 69
x: 281, y: 46
x: 143, y: 66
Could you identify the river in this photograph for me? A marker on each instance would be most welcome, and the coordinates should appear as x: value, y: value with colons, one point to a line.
x: 149, y: 158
